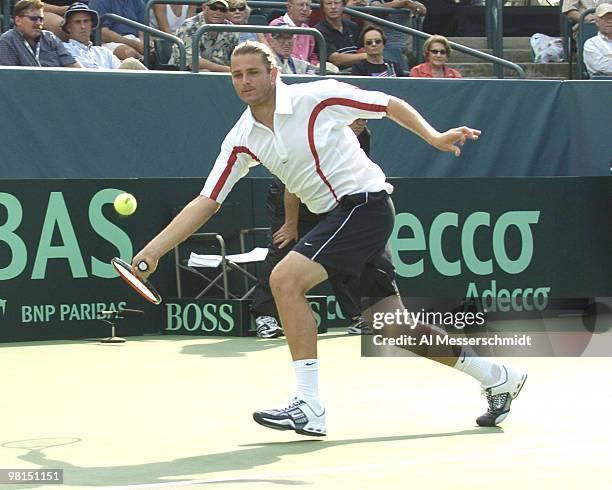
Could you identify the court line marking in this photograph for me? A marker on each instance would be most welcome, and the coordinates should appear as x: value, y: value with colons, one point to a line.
x: 473, y: 457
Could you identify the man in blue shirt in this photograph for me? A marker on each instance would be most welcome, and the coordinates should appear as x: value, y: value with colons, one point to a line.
x: 27, y: 44
x: 124, y: 41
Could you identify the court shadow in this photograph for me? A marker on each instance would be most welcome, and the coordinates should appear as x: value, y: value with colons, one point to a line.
x: 84, y: 341
x: 241, y: 346
x: 247, y: 457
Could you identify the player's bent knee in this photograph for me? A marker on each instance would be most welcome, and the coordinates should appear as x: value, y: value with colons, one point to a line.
x: 283, y: 282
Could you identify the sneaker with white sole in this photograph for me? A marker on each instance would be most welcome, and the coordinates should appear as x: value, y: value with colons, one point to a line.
x: 268, y: 327
x: 500, y: 395
x: 359, y: 327
x: 297, y: 416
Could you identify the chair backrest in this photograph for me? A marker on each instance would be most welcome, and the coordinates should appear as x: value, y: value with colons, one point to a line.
x: 5, y: 15
x: 257, y: 20
x: 275, y: 13
x: 589, y: 29
x: 163, y: 51
x: 565, y: 31
x: 586, y: 30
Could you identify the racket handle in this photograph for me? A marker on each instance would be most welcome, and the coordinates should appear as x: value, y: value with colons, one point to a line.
x: 143, y: 266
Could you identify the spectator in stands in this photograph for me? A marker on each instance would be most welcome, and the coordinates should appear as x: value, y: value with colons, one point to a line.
x: 282, y: 46
x: 215, y: 47
x: 298, y: 14
x: 398, y: 41
x: 79, y: 21
x: 341, y: 35
x: 27, y: 44
x: 573, y: 8
x: 437, y: 51
x: 124, y: 41
x: 373, y: 39
x: 238, y: 14
x: 598, y: 49
x: 168, y: 18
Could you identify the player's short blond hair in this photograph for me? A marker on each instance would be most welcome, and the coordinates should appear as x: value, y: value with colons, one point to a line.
x: 254, y: 47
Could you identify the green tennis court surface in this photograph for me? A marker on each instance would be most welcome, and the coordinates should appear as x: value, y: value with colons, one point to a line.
x: 175, y: 412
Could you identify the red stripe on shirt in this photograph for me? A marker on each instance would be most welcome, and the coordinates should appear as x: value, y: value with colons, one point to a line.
x: 313, y: 118
x: 228, y: 169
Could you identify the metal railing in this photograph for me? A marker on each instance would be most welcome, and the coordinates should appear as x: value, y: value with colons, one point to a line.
x: 147, y: 17
x: 417, y: 43
x: 415, y: 21
x: 319, y: 39
x: 418, y: 35
x: 145, y: 29
x: 580, y: 44
x: 494, y: 28
x: 257, y: 4
x: 357, y: 12
x: 459, y: 47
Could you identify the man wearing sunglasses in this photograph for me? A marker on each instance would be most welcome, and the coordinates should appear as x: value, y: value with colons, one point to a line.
x: 215, y: 47
x: 281, y: 45
x: 27, y: 44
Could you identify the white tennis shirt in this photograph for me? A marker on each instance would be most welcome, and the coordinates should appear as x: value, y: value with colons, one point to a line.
x: 312, y: 150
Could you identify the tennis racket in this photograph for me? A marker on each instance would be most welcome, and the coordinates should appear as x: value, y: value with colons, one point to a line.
x: 141, y: 286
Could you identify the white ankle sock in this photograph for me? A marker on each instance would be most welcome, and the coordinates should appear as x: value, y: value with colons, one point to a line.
x: 480, y: 368
x: 307, y: 382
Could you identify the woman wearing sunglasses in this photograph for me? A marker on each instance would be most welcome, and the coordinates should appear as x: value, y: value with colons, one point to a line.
x: 373, y: 40
x: 437, y: 50
x: 238, y: 14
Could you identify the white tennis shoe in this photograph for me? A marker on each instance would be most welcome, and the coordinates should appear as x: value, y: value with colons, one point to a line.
x: 500, y: 395
x: 359, y: 326
x: 297, y: 416
x: 268, y: 327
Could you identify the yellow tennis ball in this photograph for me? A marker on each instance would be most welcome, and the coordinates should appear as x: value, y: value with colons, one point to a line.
x: 125, y: 204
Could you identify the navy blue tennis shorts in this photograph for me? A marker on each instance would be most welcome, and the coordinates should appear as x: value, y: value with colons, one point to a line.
x: 351, y: 242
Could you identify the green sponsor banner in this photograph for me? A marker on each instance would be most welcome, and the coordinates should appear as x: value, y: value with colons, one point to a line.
x: 56, y: 241
x: 210, y: 317
x: 528, y: 238
x: 511, y: 241
x: 223, y: 317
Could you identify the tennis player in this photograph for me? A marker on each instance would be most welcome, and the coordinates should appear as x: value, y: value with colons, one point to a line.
x: 299, y: 132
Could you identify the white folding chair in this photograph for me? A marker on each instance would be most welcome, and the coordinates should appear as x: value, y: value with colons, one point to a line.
x: 198, y: 263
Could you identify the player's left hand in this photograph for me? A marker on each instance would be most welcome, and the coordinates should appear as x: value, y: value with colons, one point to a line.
x: 285, y: 235
x: 452, y: 139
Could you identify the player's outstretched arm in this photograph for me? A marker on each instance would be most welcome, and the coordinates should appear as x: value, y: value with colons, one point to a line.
x: 187, y: 222
x: 407, y: 116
